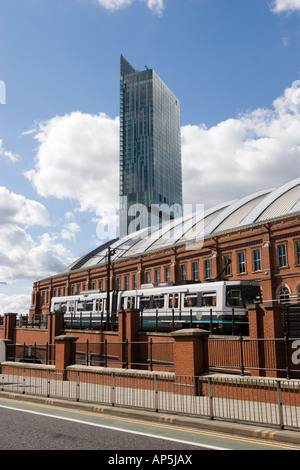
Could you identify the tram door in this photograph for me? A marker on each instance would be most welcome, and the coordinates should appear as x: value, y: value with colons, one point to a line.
x: 174, y: 305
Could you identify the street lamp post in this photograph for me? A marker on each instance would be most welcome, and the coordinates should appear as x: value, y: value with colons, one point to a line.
x: 110, y: 253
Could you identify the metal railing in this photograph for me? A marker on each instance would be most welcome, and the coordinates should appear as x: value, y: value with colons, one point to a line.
x: 134, y: 354
x: 268, y: 402
x: 235, y: 355
x: 244, y: 355
x: 23, y: 321
x: 31, y: 353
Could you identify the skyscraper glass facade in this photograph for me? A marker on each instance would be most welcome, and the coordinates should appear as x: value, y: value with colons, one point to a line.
x: 150, y: 146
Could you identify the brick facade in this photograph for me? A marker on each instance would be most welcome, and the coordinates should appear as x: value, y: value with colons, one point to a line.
x: 263, y: 241
x: 189, y: 350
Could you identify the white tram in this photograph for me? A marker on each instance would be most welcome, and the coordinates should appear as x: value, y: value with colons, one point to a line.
x: 221, y: 304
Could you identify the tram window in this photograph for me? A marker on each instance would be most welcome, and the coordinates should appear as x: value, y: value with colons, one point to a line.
x: 89, y: 306
x: 145, y: 303
x: 234, y: 298
x: 209, y: 299
x: 130, y: 302
x: 190, y: 300
x: 64, y: 307
x: 173, y: 300
x: 99, y: 305
x: 80, y: 306
x: 71, y: 305
x: 159, y: 301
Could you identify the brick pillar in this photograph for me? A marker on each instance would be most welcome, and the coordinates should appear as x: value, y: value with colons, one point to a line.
x: 128, y: 328
x: 132, y: 330
x: 65, y: 348
x: 265, y: 322
x: 55, y: 325
x: 273, y: 327
x: 121, y: 335
x: 190, y: 351
x: 121, y: 325
x: 256, y: 332
x: 9, y: 326
x: 256, y: 320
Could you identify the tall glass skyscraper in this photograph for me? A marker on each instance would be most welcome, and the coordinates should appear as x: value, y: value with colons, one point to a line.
x: 150, y: 149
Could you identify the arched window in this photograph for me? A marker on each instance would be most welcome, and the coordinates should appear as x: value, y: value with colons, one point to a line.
x: 283, y: 295
x: 297, y: 291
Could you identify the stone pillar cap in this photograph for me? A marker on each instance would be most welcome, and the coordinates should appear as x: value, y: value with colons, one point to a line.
x: 66, y: 338
x: 190, y: 332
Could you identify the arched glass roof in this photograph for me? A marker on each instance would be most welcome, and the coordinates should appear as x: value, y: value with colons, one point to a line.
x: 191, y: 229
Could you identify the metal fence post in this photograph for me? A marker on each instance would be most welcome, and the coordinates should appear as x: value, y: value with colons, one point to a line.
x: 242, y: 356
x: 210, y: 399
x: 112, y: 389
x: 48, y: 383
x: 77, y: 386
x: 126, y: 353
x: 151, y: 365
x: 287, y: 363
x: 24, y: 381
x: 280, y: 407
x: 87, y: 352
x: 105, y: 353
x: 155, y: 393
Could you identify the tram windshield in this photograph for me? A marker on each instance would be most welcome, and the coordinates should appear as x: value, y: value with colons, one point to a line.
x: 242, y: 296
x: 60, y: 307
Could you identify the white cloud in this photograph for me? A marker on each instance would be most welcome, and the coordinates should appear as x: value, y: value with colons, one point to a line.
x: 15, y: 303
x: 156, y: 6
x: 21, y: 257
x: 69, y: 216
x: 78, y: 158
x: 280, y: 6
x: 16, y: 209
x: 8, y: 155
x: 69, y: 231
x: 257, y: 150
x: 114, y: 4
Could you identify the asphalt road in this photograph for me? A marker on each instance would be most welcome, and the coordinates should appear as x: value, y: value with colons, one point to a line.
x: 36, y: 426
x: 27, y: 431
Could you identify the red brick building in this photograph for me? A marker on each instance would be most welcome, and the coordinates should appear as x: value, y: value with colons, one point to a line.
x: 259, y: 234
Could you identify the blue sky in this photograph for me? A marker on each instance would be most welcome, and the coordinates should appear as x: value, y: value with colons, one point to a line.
x: 233, y: 64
